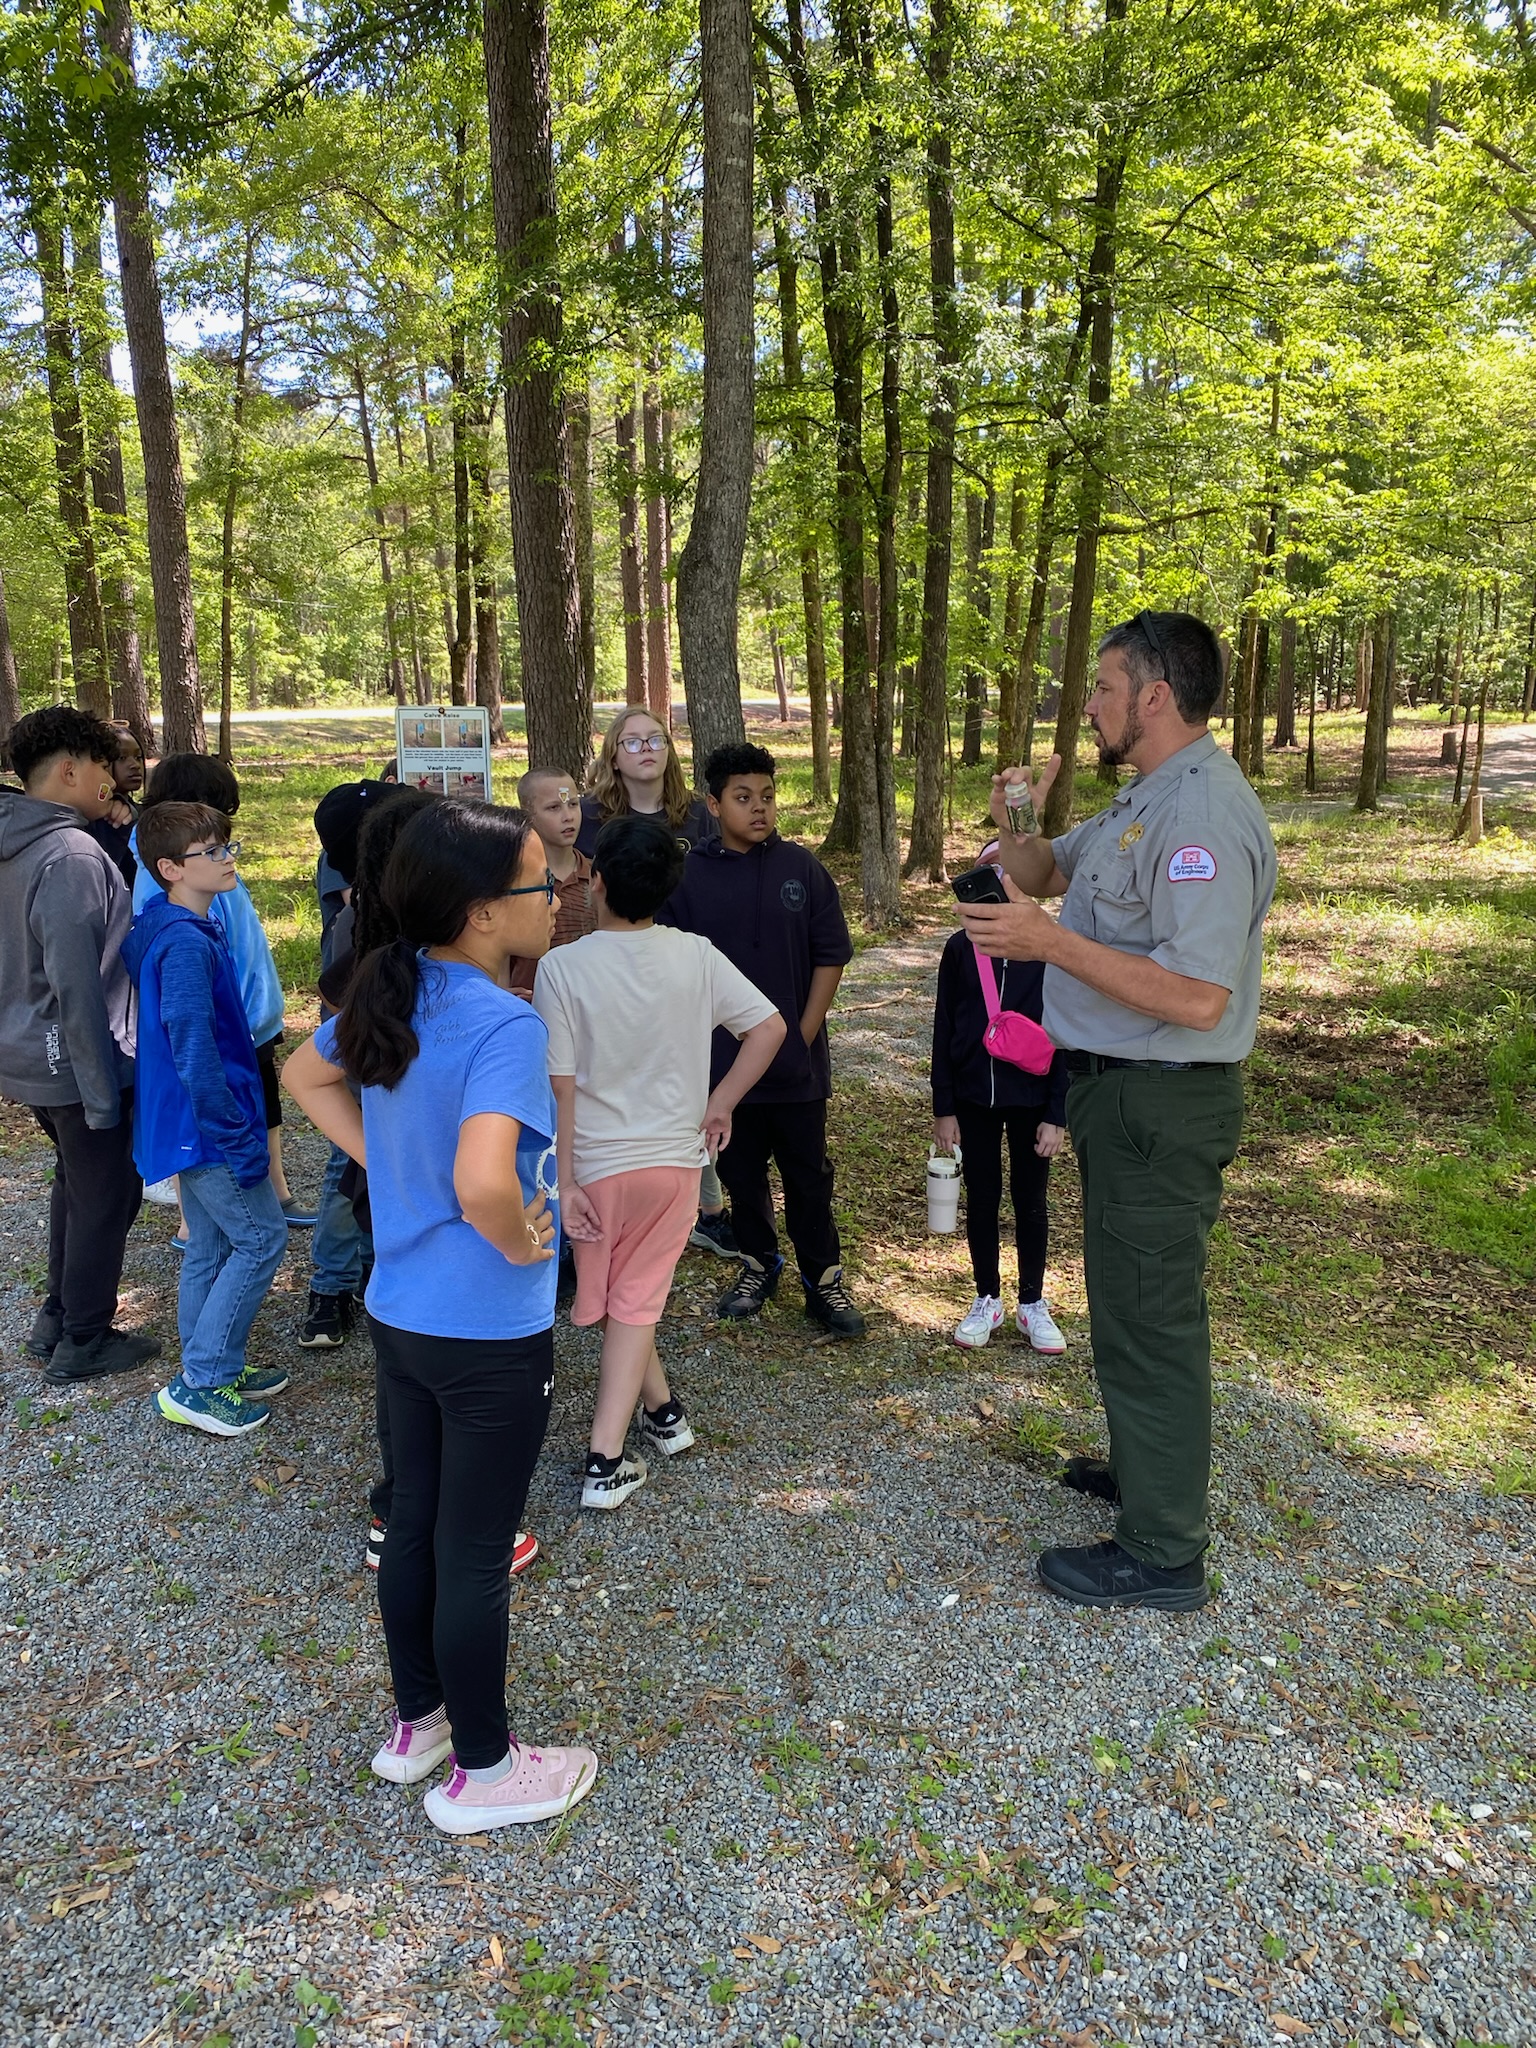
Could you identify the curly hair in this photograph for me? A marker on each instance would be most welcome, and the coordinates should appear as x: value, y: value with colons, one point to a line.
x: 59, y: 729
x: 607, y: 785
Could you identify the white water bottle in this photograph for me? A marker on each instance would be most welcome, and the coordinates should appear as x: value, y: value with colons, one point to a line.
x: 943, y: 1189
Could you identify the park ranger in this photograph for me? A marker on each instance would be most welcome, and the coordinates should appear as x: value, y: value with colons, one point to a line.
x: 1152, y: 987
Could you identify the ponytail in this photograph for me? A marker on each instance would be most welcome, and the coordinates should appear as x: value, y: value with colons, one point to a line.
x: 373, y: 1032
x: 447, y: 858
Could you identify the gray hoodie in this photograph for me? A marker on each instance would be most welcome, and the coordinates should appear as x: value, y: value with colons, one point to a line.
x: 66, y: 1004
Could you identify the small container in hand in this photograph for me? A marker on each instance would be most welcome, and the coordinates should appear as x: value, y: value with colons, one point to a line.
x: 1018, y: 809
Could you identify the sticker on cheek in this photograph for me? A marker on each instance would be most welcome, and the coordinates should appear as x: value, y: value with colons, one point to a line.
x: 1192, y: 864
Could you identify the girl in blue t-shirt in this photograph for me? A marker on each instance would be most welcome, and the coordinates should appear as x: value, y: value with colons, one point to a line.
x: 456, y: 1128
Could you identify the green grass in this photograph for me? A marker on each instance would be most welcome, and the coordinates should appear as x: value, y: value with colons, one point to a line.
x: 1378, y: 1246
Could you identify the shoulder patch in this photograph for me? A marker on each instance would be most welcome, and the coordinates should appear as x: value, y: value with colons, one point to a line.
x: 1192, y: 864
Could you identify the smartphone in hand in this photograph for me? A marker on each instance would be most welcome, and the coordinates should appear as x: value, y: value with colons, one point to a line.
x: 979, y: 885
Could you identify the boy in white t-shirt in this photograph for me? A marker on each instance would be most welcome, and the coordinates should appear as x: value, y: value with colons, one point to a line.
x: 630, y: 1010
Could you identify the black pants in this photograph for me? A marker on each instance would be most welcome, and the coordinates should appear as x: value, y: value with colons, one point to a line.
x: 794, y: 1136
x: 467, y: 1418
x: 96, y: 1195
x: 981, y: 1148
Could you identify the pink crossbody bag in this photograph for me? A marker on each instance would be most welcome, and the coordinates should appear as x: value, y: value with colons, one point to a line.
x: 1010, y: 1036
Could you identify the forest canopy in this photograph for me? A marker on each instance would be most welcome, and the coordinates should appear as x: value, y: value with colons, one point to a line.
x: 414, y: 353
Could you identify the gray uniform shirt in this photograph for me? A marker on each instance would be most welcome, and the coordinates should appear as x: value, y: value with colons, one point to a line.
x: 1180, y: 869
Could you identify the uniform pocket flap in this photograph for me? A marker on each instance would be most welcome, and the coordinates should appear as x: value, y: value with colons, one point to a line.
x: 1151, y: 1230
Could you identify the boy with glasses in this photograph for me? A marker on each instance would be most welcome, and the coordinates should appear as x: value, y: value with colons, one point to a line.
x: 199, y: 1113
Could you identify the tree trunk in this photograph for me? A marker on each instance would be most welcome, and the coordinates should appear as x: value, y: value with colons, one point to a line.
x: 1310, y: 779
x: 109, y: 489
x: 439, y: 550
x: 232, y: 484
x: 165, y: 491
x: 1528, y: 691
x: 10, y: 686
x: 421, y: 672
x: 658, y: 557
x: 780, y: 679
x: 556, y: 700
x: 709, y: 569
x: 461, y: 648
x: 1476, y: 783
x: 1373, y: 752
x: 1099, y: 304
x: 82, y: 579
x: 1007, y: 675
x: 481, y: 529
x: 386, y: 577
x: 787, y: 267
x: 882, y: 890
x: 980, y: 528
x: 925, y: 849
x: 580, y: 406
x: 636, y: 682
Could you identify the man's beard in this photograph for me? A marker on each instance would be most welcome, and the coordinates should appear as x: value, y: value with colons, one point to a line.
x: 1114, y: 756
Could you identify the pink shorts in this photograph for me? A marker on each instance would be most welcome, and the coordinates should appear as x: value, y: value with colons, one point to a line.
x: 646, y: 1217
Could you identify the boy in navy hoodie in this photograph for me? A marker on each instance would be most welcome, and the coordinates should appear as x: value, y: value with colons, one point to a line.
x: 199, y: 1112
x: 773, y: 910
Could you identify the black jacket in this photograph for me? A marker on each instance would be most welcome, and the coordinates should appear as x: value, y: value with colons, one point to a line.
x: 963, y: 1070
x: 698, y: 826
x: 775, y: 913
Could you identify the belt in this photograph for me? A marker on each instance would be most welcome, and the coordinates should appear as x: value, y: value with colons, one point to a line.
x: 1101, y: 1062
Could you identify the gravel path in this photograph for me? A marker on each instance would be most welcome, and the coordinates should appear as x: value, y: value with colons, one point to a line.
x: 861, y: 1781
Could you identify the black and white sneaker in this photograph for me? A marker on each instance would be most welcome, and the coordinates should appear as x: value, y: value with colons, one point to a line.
x: 328, y: 1321
x: 714, y: 1234
x: 828, y: 1302
x: 667, y: 1431
x: 754, y: 1286
x: 608, y: 1483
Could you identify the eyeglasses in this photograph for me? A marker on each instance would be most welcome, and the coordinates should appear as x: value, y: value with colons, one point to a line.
x: 651, y: 743
x: 1154, y: 639
x: 230, y: 850
x: 546, y: 888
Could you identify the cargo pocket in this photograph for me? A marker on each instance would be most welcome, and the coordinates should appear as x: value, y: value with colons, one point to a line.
x: 1152, y: 1263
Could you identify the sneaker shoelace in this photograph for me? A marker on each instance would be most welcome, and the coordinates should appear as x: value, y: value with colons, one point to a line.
x: 752, y: 1281
x: 837, y: 1296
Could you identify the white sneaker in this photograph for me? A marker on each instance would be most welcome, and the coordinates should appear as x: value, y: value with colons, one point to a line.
x: 161, y: 1192
x: 614, y: 1488
x: 667, y: 1437
x: 412, y: 1752
x: 984, y: 1315
x: 1036, y: 1322
x: 541, y: 1785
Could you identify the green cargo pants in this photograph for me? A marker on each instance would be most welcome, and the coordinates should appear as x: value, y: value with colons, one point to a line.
x: 1151, y: 1144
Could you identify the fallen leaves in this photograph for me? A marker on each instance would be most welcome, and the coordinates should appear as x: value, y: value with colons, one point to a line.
x: 1289, y: 2025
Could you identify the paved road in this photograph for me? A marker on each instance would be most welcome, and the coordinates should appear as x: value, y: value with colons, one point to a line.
x: 1509, y: 761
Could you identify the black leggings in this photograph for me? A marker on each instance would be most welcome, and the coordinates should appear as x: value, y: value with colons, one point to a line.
x: 981, y: 1147
x: 467, y: 1418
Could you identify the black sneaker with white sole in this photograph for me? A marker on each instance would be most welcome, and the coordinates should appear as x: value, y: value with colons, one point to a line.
x: 828, y: 1302
x: 328, y: 1321
x: 714, y: 1234
x: 754, y: 1285
x: 668, y: 1430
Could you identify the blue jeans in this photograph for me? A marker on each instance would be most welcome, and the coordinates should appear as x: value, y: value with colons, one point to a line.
x: 236, y: 1238
x: 341, y: 1251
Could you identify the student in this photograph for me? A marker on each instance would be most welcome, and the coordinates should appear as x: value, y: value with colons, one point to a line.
x: 198, y: 1114
x: 549, y: 800
x: 637, y: 772
x: 202, y: 779
x: 773, y: 910
x: 979, y: 1100
x: 114, y: 832
x: 630, y: 1010
x: 66, y: 1030
x: 456, y: 1126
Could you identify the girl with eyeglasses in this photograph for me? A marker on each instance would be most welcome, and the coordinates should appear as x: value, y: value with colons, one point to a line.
x: 457, y: 1130
x: 637, y: 772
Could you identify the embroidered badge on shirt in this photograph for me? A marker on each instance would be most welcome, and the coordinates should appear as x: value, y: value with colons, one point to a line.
x: 1129, y: 837
x: 1192, y: 864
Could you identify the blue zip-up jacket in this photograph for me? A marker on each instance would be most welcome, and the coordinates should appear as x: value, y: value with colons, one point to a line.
x: 197, y: 1100
x: 775, y: 913
x: 963, y: 1070
x: 256, y: 971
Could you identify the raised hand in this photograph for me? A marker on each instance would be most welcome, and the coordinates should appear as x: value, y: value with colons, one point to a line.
x: 1039, y: 789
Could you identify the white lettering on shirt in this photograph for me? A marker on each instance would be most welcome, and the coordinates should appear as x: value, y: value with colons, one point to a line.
x: 1192, y: 864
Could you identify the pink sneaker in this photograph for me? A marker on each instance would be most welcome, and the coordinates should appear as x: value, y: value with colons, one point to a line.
x: 412, y: 1752
x: 541, y: 1785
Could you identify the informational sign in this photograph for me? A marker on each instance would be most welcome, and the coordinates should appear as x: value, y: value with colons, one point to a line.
x: 444, y: 747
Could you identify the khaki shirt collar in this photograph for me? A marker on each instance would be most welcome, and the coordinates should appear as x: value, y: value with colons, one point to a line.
x: 1144, y: 789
